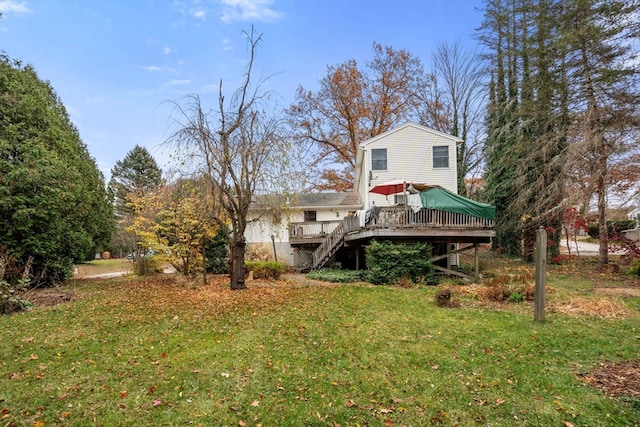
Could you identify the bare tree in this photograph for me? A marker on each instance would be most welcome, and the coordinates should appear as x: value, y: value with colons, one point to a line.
x: 235, y: 144
x: 460, y: 75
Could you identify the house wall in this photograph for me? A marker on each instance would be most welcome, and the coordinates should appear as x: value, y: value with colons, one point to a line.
x: 409, y: 157
x: 258, y: 233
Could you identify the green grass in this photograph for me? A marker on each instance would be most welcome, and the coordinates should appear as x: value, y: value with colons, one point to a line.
x: 149, y: 352
x: 103, y: 266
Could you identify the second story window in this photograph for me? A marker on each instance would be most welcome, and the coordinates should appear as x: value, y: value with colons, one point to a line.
x: 379, y: 159
x: 440, y: 156
x: 310, y: 216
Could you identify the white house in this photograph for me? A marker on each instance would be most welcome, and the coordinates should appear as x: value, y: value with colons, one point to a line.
x: 321, y: 227
x: 409, y: 152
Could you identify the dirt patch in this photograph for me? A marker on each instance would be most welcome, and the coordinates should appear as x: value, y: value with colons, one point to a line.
x: 617, y: 379
x: 602, y: 308
x: 48, y: 297
x: 619, y: 292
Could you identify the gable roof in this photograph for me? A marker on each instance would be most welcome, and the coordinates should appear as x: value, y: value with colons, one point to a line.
x: 345, y: 200
x: 363, y: 144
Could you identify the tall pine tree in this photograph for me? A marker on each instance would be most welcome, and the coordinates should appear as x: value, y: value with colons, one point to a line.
x: 137, y: 174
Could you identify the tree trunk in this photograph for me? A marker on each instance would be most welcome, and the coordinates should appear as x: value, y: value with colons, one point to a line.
x: 203, y: 244
x: 237, y: 264
x: 603, y: 250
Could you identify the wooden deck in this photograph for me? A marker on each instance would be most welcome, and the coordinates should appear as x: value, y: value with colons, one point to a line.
x: 398, y: 222
x: 317, y: 243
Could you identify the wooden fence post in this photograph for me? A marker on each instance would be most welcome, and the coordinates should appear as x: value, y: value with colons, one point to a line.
x: 541, y: 272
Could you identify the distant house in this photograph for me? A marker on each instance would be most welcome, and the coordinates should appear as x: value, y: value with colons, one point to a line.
x: 418, y: 166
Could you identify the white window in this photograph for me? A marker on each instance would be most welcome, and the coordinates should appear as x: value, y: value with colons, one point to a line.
x: 440, y: 156
x: 379, y: 159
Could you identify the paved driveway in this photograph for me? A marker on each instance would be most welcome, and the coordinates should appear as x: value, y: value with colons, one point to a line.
x: 584, y: 248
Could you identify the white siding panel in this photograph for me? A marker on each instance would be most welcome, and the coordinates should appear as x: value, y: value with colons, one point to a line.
x: 410, y: 157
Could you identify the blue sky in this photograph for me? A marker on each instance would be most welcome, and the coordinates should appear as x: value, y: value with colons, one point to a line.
x: 115, y: 63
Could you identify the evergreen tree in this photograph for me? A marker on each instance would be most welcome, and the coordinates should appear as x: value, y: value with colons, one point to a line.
x: 602, y: 36
x: 559, y: 69
x: 137, y: 174
x: 54, y: 208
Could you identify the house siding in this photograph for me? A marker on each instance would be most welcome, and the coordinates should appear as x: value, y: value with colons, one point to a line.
x: 409, y: 157
x: 258, y: 233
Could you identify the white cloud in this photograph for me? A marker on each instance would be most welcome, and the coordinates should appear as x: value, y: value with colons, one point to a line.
x: 248, y: 10
x: 226, y: 45
x: 7, y: 6
x: 199, y: 13
x: 177, y: 82
x: 168, y: 50
x: 95, y: 100
x: 152, y: 68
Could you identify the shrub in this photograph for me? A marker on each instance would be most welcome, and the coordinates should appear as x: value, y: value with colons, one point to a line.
x: 389, y: 262
x: 11, y: 294
x: 11, y: 297
x: 145, y: 265
x: 443, y: 298
x: 593, y: 230
x: 634, y: 269
x: 337, y: 276
x: 265, y: 269
x: 613, y: 227
x: 497, y: 293
x: 509, y: 293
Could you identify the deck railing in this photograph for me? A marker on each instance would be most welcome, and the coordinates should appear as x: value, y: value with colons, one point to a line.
x: 300, y: 230
x: 392, y: 217
x: 403, y: 217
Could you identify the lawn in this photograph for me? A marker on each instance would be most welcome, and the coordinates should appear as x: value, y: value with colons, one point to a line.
x: 104, y: 266
x: 163, y: 351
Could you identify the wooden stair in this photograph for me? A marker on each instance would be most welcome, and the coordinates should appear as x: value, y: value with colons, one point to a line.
x: 328, y: 247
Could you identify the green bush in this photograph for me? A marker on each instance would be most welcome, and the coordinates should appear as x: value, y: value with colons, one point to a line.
x: 265, y: 269
x: 613, y: 227
x: 337, y: 276
x: 389, y: 262
x: 593, y: 230
x: 145, y: 265
x: 11, y: 296
x: 634, y: 269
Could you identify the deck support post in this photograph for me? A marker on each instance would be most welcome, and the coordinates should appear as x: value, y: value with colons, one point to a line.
x: 477, y: 262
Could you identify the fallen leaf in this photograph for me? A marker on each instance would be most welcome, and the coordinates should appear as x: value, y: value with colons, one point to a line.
x: 152, y: 389
x: 157, y: 402
x: 34, y: 357
x: 38, y: 424
x: 499, y: 402
x: 123, y: 394
x: 242, y: 423
x: 567, y: 424
x: 255, y: 403
x: 350, y: 403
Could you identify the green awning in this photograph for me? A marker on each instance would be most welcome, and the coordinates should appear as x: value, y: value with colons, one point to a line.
x: 444, y: 200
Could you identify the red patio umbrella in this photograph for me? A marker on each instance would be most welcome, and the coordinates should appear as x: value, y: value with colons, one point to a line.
x: 397, y: 186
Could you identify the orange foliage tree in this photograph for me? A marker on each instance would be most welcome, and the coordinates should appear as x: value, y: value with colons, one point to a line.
x: 177, y: 222
x: 354, y: 104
